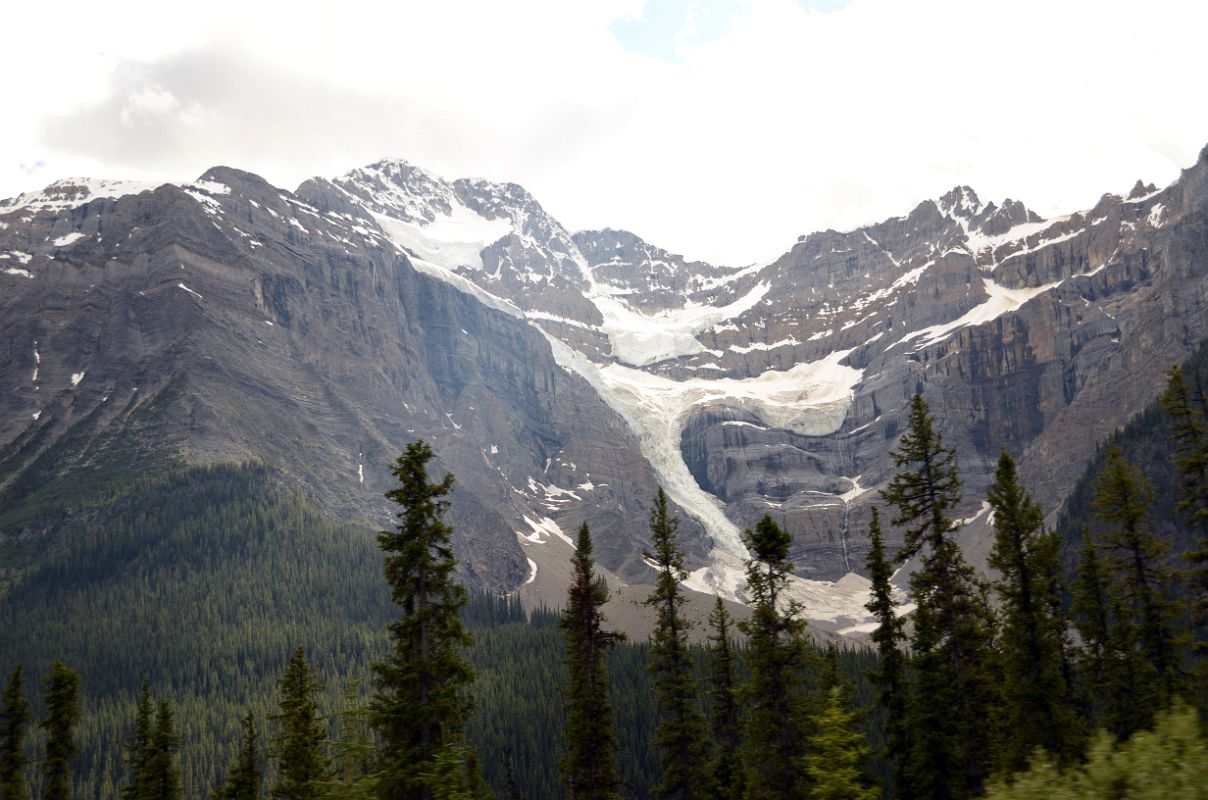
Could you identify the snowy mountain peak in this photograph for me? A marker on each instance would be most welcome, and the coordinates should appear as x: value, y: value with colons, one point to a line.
x: 961, y: 201
x: 72, y: 192
x: 397, y: 189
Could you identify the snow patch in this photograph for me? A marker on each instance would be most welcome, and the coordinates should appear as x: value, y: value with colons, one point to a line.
x: 855, y: 491
x: 642, y: 339
x: 71, y: 193
x: 985, y: 508
x: 190, y: 291
x: 76, y: 377
x: 451, y: 240
x: 839, y: 601
x: 21, y: 273
x: 1001, y: 300
x: 789, y: 342
x: 532, y: 571
x: 69, y: 239
x: 542, y: 529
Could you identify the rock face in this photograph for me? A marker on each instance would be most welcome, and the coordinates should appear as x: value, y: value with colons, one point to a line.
x: 230, y: 321
x: 561, y: 377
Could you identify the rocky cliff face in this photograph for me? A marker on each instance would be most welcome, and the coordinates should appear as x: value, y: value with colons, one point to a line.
x: 562, y: 376
x: 230, y: 321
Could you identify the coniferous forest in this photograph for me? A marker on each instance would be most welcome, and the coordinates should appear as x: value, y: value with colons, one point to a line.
x: 202, y: 632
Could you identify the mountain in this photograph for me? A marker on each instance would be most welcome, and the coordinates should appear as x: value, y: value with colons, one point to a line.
x: 563, y: 375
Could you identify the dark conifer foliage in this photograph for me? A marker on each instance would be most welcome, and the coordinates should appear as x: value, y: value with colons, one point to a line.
x: 15, y: 715
x: 589, y: 765
x: 725, y: 772
x: 1186, y: 403
x: 954, y: 703
x: 422, y: 701
x: 353, y: 749
x: 1038, y: 702
x: 61, y: 696
x: 680, y: 736
x: 893, y: 688
x: 775, y: 695
x: 300, y: 743
x: 246, y: 776
x: 1133, y: 558
x: 138, y: 748
x: 162, y: 768
x: 1104, y: 660
x: 1134, y: 555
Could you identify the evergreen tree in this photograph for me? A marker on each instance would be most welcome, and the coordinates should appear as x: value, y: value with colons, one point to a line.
x: 775, y: 734
x: 589, y: 765
x: 1107, y: 662
x: 15, y: 715
x: 893, y: 689
x: 1037, y: 702
x: 162, y: 769
x: 354, y: 776
x: 300, y: 745
x: 61, y: 694
x: 138, y: 748
x: 679, y: 737
x: 840, y: 755
x: 1187, y: 414
x: 725, y: 774
x: 422, y: 701
x: 1133, y: 557
x: 246, y: 775
x: 953, y: 707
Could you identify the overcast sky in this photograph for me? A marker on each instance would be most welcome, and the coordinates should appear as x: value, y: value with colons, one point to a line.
x: 720, y: 129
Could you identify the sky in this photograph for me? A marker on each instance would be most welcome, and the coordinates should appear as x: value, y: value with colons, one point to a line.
x: 719, y: 129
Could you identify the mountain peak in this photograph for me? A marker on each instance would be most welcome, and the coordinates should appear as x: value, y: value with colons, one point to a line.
x: 961, y: 201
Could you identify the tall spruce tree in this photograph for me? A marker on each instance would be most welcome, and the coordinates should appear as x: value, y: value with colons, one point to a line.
x: 300, y: 744
x: 162, y: 767
x: 1133, y: 556
x: 953, y: 707
x: 422, y: 700
x: 775, y: 695
x: 61, y: 695
x: 1102, y: 694
x: 893, y: 688
x: 1038, y: 703
x: 1186, y: 405
x: 246, y: 775
x: 15, y: 715
x: 138, y: 747
x: 725, y: 773
x: 589, y: 766
x: 838, y: 768
x: 680, y: 735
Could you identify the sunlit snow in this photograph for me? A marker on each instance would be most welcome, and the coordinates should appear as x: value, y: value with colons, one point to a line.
x: 1001, y: 301
x: 68, y: 239
x: 450, y: 241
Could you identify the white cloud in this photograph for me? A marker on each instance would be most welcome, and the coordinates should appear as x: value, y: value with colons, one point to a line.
x: 789, y: 121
